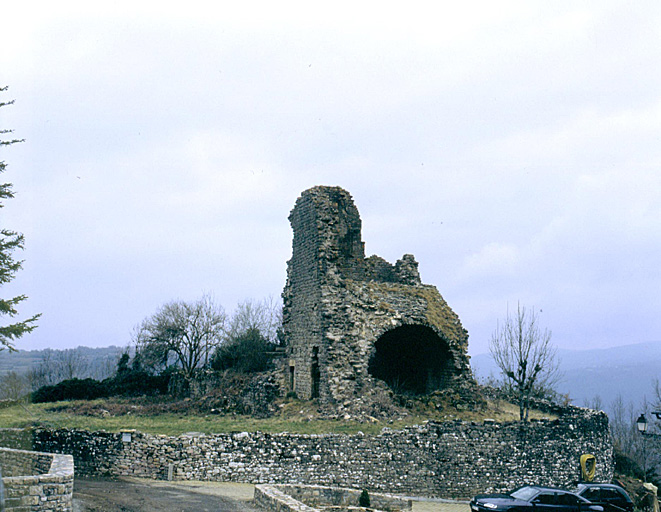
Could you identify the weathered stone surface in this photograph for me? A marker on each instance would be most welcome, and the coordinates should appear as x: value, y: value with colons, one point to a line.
x: 449, y: 460
x: 350, y: 321
x: 36, y: 481
x: 312, y: 498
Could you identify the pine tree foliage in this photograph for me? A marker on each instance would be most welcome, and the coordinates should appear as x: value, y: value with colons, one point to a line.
x: 10, y: 241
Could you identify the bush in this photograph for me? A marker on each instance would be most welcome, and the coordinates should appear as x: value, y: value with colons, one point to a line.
x: 128, y: 382
x: 248, y: 352
x: 364, y: 500
x: 625, y: 465
x: 138, y: 382
x: 71, y: 389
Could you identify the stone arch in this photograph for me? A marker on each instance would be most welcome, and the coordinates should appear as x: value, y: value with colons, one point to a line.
x: 412, y: 358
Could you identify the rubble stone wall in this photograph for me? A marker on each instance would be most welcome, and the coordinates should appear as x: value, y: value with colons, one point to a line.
x: 35, y: 482
x: 323, y: 496
x: 449, y: 460
x: 270, y: 497
x: 311, y: 498
x: 24, y: 463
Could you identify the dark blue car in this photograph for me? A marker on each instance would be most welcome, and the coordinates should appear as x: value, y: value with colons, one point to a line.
x: 532, y: 498
x: 612, y: 497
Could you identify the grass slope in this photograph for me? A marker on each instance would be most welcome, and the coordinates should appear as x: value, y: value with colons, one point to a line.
x: 295, y: 417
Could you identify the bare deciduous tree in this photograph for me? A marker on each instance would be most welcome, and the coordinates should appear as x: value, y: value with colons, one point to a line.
x: 70, y: 364
x: 43, y: 373
x: 525, y: 356
x: 13, y: 386
x: 638, y: 455
x: 264, y: 315
x: 594, y: 403
x: 189, y: 331
x: 59, y: 365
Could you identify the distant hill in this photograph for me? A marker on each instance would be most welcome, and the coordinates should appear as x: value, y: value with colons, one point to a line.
x: 628, y: 370
x: 98, y: 359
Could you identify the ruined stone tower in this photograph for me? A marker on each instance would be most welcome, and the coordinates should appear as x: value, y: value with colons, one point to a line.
x: 351, y: 322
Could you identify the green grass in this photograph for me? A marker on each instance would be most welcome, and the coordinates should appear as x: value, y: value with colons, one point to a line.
x: 21, y: 416
x: 295, y: 417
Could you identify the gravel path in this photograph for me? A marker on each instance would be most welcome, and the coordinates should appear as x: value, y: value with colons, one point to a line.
x: 137, y: 495
x: 142, y: 495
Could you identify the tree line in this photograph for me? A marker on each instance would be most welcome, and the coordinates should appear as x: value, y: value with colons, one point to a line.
x: 181, y: 340
x: 636, y: 455
x: 199, y: 334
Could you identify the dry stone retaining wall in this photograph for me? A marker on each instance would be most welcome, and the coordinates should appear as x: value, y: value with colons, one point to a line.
x: 311, y: 498
x: 22, y: 463
x: 270, y: 497
x: 321, y: 497
x: 35, y: 482
x: 449, y: 460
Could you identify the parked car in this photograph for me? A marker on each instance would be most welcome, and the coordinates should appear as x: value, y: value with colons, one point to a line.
x: 612, y: 497
x: 534, y: 498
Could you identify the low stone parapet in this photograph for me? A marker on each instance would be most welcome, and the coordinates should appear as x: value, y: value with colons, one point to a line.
x: 38, y: 481
x: 312, y: 498
x: 332, y: 497
x: 269, y: 497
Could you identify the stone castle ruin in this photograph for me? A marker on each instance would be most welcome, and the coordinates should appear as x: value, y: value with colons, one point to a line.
x: 352, y: 323
x: 355, y: 329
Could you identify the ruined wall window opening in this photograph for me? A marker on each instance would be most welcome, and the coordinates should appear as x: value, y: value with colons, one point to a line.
x: 315, y: 374
x: 292, y: 377
x: 412, y: 359
x: 348, y: 243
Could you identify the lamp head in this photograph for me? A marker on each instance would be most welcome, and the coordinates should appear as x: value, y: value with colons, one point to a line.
x: 641, y: 424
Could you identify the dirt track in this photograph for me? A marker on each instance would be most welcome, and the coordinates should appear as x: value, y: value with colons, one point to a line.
x: 141, y: 495
x: 135, y: 495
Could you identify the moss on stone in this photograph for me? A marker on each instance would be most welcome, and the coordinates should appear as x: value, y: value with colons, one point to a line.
x: 437, y: 313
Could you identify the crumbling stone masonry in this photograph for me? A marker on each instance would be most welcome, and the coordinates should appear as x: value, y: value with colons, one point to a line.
x: 447, y: 460
x: 351, y: 322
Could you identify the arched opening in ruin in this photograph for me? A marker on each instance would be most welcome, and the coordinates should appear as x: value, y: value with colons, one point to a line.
x: 412, y: 359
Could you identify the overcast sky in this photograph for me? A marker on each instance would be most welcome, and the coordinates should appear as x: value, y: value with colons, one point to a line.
x: 513, y: 147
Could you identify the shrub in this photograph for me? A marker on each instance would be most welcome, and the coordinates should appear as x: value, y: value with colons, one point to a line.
x: 249, y: 352
x: 137, y: 383
x: 128, y: 382
x: 364, y: 500
x: 71, y: 389
x: 625, y: 465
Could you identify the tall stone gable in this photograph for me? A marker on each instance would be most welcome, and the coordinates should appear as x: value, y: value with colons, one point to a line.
x: 351, y: 323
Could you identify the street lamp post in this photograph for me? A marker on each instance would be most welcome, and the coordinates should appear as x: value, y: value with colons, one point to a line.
x: 641, y: 424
